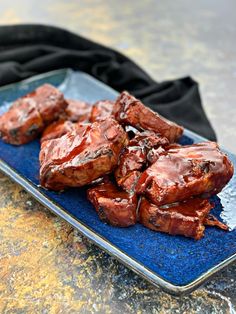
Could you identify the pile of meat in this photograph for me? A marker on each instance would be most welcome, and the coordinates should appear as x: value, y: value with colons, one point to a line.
x: 129, y: 156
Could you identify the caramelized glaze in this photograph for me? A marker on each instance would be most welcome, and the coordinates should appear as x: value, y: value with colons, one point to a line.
x: 77, y: 110
x: 21, y: 124
x: 130, y: 111
x: 116, y: 207
x: 186, y: 218
x: 78, y: 159
x: 182, y: 172
x: 133, y: 158
x: 58, y: 129
x: 29, y: 115
x: 101, y: 110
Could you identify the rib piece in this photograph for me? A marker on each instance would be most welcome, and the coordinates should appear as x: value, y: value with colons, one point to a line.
x: 50, y: 148
x: 154, y: 154
x: 58, y: 129
x: 130, y: 111
x: 148, y: 140
x: 128, y: 183
x: 133, y: 158
x: 48, y: 100
x: 131, y: 161
x: 21, y: 124
x: 101, y: 110
x: 78, y: 111
x: 186, y: 171
x: 29, y: 115
x: 77, y: 159
x: 117, y: 208
x: 186, y: 218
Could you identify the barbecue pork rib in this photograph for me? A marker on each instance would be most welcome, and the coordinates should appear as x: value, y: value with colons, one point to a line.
x: 30, y: 114
x: 101, y: 110
x: 133, y: 158
x: 76, y: 159
x: 186, y: 218
x: 58, y: 129
x: 77, y: 110
x: 186, y: 171
x: 115, y: 207
x: 130, y: 111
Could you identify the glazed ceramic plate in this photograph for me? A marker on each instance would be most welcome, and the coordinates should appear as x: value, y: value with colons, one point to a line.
x: 176, y: 263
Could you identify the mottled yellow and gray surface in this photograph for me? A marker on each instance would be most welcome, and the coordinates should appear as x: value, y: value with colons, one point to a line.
x: 45, y: 265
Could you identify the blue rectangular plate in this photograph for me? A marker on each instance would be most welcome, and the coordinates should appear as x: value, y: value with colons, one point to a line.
x: 176, y: 263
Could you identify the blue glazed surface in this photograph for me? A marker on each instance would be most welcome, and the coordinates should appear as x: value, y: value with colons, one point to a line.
x: 177, y: 260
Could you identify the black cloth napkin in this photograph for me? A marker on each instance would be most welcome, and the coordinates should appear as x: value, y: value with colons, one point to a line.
x: 26, y: 50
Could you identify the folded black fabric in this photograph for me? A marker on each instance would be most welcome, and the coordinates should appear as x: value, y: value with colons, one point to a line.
x: 26, y: 50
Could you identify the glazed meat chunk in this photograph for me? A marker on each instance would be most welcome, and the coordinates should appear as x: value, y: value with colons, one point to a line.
x: 29, y: 115
x: 130, y: 111
x: 75, y: 160
x: 58, y: 129
x: 101, y: 110
x: 21, y: 124
x: 131, y: 162
x: 186, y: 171
x: 186, y: 218
x: 133, y: 158
x: 115, y: 207
x: 78, y: 111
x: 45, y: 152
x: 49, y: 101
x: 148, y: 140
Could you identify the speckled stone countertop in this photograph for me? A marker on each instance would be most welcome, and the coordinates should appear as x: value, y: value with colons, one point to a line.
x: 45, y: 265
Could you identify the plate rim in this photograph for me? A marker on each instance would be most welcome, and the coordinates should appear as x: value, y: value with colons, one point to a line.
x: 99, y: 240
x: 36, y: 77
